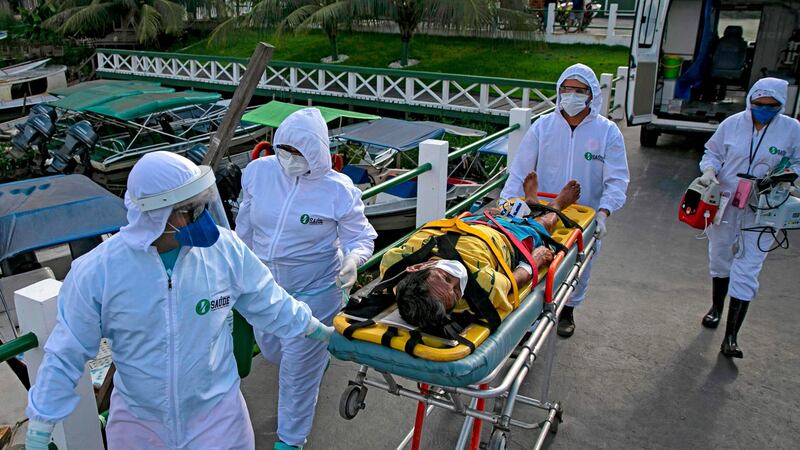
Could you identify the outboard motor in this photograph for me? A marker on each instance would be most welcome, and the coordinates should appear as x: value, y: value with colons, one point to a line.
x: 699, y: 205
x: 41, y: 108
x: 34, y: 134
x: 196, y: 153
x: 79, y: 142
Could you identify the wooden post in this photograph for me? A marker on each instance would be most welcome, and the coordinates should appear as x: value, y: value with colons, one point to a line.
x: 551, y: 19
x: 612, y: 21
x: 522, y: 116
x: 432, y: 185
x: 241, y: 98
x: 605, y: 89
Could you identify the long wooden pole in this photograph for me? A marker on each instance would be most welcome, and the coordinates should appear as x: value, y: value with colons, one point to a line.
x: 241, y: 98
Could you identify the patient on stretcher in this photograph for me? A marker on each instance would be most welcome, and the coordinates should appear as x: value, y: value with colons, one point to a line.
x: 465, y: 272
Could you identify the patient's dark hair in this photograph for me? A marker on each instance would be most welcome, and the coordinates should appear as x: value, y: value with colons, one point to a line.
x: 416, y: 305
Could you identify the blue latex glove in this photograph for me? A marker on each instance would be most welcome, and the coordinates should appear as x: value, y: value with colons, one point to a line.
x: 318, y: 331
x: 38, y: 436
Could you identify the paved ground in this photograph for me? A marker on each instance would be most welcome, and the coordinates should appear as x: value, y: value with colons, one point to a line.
x: 640, y: 371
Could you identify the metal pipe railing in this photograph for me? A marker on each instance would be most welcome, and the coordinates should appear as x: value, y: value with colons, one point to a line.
x: 18, y: 345
x: 376, y: 257
x: 488, y: 187
x: 377, y: 189
x: 480, y: 143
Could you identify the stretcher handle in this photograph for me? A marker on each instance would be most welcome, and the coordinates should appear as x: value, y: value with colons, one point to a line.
x: 556, y: 263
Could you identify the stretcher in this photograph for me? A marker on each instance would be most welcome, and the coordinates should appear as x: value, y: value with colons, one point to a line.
x: 496, y: 368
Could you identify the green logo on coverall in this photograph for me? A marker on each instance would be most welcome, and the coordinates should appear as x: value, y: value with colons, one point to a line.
x: 590, y: 157
x: 203, y: 307
x: 773, y: 150
x: 305, y: 219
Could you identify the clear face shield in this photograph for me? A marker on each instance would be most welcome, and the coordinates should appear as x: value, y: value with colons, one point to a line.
x: 196, y: 210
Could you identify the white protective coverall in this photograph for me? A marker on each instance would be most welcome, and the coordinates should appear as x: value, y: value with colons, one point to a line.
x: 301, y: 227
x: 176, y: 384
x: 728, y: 153
x: 593, y: 154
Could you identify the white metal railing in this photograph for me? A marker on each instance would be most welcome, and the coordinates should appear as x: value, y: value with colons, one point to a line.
x: 407, y: 89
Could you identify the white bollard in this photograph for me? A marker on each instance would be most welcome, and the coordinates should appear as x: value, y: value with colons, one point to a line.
x: 522, y: 116
x: 621, y: 86
x: 612, y: 21
x: 551, y: 18
x: 432, y: 185
x: 605, y: 91
x: 37, y: 309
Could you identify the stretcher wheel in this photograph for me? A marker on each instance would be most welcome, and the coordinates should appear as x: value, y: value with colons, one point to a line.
x: 352, y: 401
x: 498, y: 440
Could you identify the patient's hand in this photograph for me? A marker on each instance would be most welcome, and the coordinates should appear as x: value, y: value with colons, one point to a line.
x: 543, y: 256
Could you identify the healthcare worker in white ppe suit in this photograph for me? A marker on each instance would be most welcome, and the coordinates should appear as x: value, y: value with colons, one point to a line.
x: 575, y: 143
x: 160, y: 290
x: 306, y: 222
x: 754, y: 141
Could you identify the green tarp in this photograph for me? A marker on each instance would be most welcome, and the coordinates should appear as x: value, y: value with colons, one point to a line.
x: 85, y: 95
x: 128, y: 108
x: 274, y: 112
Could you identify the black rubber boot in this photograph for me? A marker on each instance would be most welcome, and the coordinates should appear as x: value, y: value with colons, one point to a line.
x: 719, y: 290
x: 566, y: 323
x: 736, y: 312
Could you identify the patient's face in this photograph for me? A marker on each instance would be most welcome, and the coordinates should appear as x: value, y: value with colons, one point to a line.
x: 442, y: 285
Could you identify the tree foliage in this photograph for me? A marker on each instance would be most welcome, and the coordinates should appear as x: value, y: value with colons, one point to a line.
x: 148, y: 18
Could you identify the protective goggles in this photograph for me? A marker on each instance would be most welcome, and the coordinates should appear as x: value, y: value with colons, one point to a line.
x: 574, y: 90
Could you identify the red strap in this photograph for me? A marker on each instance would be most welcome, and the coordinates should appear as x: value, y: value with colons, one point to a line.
x: 519, y: 245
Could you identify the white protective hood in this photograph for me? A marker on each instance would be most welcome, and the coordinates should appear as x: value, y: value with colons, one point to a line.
x: 307, y: 131
x: 585, y: 72
x: 156, y: 172
x: 768, y: 87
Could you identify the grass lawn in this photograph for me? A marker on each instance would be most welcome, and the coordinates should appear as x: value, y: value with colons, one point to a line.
x: 473, y: 56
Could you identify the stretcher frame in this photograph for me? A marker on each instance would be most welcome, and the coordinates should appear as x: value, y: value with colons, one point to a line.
x: 469, y: 401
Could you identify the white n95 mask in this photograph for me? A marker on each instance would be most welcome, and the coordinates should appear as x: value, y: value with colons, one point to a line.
x: 455, y: 269
x: 293, y: 165
x: 573, y: 103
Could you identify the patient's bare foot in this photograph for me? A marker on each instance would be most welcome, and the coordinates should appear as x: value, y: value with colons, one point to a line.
x: 543, y: 256
x: 530, y: 186
x: 568, y: 195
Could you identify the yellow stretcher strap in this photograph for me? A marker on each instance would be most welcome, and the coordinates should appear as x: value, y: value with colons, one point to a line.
x: 459, y: 226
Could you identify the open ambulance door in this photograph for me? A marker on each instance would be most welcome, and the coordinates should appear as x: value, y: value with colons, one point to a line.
x: 643, y: 61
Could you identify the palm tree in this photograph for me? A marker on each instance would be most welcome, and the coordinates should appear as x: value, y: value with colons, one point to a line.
x: 293, y: 15
x: 149, y: 18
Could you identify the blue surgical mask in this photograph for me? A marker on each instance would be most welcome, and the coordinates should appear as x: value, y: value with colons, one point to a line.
x: 764, y: 114
x: 203, y: 232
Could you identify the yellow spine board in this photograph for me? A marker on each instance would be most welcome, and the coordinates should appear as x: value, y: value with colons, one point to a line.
x: 432, y: 351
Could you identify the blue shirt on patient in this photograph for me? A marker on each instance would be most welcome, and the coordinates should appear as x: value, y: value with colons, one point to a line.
x: 520, y: 228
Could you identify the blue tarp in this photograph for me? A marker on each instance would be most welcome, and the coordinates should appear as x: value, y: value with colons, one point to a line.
x: 395, y: 134
x: 498, y: 146
x: 43, y: 212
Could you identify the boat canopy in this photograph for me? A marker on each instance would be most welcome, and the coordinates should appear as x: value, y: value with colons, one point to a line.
x: 92, y: 93
x: 394, y: 134
x: 142, y: 105
x: 274, y: 113
x: 43, y: 212
x: 498, y: 146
